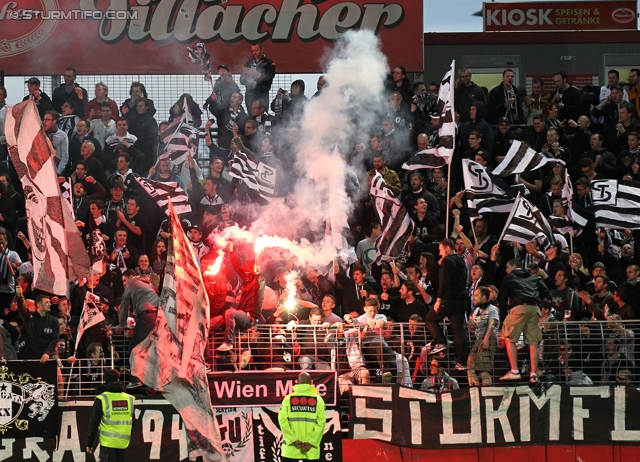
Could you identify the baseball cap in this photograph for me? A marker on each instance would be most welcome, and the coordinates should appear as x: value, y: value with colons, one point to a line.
x: 117, y: 184
x: 504, y: 119
x: 223, y: 66
x: 598, y: 264
x: 195, y: 227
x: 33, y: 81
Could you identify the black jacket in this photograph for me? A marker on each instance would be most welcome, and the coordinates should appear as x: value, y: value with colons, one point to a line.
x: 267, y: 69
x: 480, y: 125
x: 464, y: 96
x: 351, y: 300
x: 520, y: 287
x: 44, y: 104
x: 452, y: 279
x: 404, y: 89
x: 60, y: 95
x: 224, y: 118
x: 572, y: 104
x: 40, y: 332
x: 496, y: 106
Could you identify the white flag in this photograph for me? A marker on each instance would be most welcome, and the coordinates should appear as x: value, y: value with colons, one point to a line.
x: 59, y: 254
x: 172, y: 356
x: 91, y: 315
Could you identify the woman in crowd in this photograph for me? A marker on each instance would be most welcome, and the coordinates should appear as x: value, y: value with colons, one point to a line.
x: 145, y: 269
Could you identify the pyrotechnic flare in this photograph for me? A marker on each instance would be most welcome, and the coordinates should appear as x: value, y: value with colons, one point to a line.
x: 217, y: 264
x: 319, y: 253
x: 291, y: 278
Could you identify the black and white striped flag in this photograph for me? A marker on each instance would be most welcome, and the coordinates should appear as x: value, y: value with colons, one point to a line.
x: 67, y: 195
x: 521, y: 158
x: 258, y: 177
x: 567, y: 201
x: 201, y: 58
x: 91, y: 315
x: 526, y: 223
x: 180, y: 138
x: 486, y: 192
x: 616, y: 204
x: 397, y: 226
x: 162, y: 193
x: 439, y: 156
x: 565, y: 226
x: 427, y: 158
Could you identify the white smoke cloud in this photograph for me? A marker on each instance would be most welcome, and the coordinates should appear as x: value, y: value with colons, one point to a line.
x: 345, y: 110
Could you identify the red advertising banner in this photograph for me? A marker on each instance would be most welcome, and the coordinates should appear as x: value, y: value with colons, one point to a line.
x: 560, y: 16
x: 150, y: 36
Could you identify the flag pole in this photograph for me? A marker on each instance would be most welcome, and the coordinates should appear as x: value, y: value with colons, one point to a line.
x: 513, y: 210
x: 447, y: 232
x: 66, y: 392
x: 571, y: 241
x: 453, y: 135
x: 473, y: 230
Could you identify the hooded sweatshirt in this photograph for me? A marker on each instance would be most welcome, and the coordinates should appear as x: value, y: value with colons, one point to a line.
x: 465, y: 96
x: 479, y: 125
x: 292, y: 110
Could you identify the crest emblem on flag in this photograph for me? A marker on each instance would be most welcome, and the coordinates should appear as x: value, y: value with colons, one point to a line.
x: 604, y: 192
x: 23, y: 395
x: 479, y: 172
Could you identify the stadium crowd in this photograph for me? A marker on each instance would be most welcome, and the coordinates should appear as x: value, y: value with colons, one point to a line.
x: 461, y: 273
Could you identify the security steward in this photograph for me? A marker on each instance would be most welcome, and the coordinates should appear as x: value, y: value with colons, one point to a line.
x: 302, y: 419
x: 112, y: 415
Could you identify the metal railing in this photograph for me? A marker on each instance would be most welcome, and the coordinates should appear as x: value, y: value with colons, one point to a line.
x: 597, y: 348
x: 574, y: 353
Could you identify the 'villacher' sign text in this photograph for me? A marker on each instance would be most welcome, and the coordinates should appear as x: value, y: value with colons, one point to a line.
x: 296, y: 33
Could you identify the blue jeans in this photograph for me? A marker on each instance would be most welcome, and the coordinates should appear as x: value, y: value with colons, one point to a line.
x: 235, y: 320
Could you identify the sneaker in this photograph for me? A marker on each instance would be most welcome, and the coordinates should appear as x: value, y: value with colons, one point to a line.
x: 224, y: 347
x: 533, y: 379
x: 437, y: 349
x: 461, y: 367
x: 245, y: 358
x: 131, y: 385
x: 511, y: 376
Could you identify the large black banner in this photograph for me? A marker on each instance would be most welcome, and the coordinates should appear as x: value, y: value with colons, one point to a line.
x: 496, y: 415
x: 248, y: 434
x: 264, y: 388
x: 28, y: 399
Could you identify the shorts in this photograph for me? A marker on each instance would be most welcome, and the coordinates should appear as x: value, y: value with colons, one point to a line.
x: 482, y: 360
x: 523, y: 319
